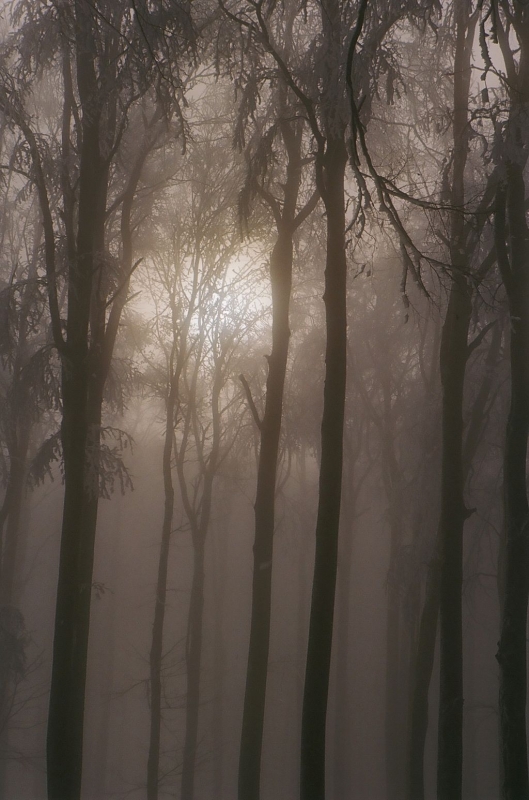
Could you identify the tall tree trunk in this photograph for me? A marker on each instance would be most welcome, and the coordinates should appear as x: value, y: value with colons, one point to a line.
x: 199, y: 519
x: 342, y: 721
x: 421, y: 679
x: 193, y: 668
x: 84, y: 370
x: 281, y: 262
x: 72, y: 616
x: 395, y: 717
x: 255, y: 693
x: 423, y: 654
x: 221, y: 543
x: 330, y: 484
x: 453, y: 515
x: 155, y: 657
x: 446, y: 572
x: 512, y: 649
x: 422, y: 651
x: 453, y: 360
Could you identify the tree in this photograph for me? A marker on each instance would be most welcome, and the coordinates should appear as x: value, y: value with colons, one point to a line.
x: 199, y: 328
x: 101, y: 86
x: 453, y: 359
x: 288, y: 214
x: 511, y: 31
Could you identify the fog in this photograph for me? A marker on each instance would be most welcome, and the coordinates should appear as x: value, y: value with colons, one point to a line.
x: 264, y: 400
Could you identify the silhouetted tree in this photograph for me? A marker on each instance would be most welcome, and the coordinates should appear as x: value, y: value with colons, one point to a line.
x: 288, y: 212
x: 100, y: 86
x: 511, y: 30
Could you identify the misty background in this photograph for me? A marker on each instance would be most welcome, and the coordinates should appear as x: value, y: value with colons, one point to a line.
x: 272, y: 250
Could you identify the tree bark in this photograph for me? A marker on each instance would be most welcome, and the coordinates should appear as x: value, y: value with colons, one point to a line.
x: 72, y: 616
x: 330, y: 483
x: 453, y: 361
x: 395, y: 710
x: 511, y: 655
x: 421, y: 677
x: 446, y: 572
x: 453, y: 515
x: 199, y: 519
x: 255, y: 693
x: 155, y: 657
x: 193, y: 668
x: 85, y: 362
x: 281, y: 262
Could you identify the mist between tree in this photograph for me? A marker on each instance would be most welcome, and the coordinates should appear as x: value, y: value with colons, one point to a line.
x: 264, y: 400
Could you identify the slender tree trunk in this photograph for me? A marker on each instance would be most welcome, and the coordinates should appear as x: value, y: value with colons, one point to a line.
x: 453, y: 515
x: 199, y: 521
x: 255, y: 693
x: 395, y: 712
x: 193, y: 668
x: 155, y: 658
x: 330, y: 484
x: 395, y: 721
x: 342, y: 721
x: 219, y: 649
x: 444, y: 585
x: 421, y: 678
x: 423, y: 653
x: 446, y: 575
x: 511, y: 655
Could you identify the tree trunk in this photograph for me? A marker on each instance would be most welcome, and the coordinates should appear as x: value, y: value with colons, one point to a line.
x: 513, y: 639
x: 72, y: 616
x: 155, y: 658
x: 330, y: 484
x: 447, y: 576
x: 421, y: 678
x: 453, y: 515
x: 281, y: 262
x: 193, y: 669
x: 199, y: 518
x: 255, y: 693
x: 395, y: 718
x: 342, y: 721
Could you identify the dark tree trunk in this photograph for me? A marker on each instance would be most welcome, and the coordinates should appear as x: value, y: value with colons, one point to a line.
x: 199, y: 519
x: 72, y: 616
x: 423, y: 655
x: 330, y: 484
x: 193, y: 668
x: 453, y: 515
x: 422, y: 644
x: 513, y: 639
x: 254, y: 700
x: 342, y: 714
x: 453, y: 360
x: 512, y: 252
x: 85, y: 362
x: 421, y: 679
x: 281, y: 261
x: 155, y: 658
x: 446, y: 572
x: 221, y: 544
x: 395, y: 721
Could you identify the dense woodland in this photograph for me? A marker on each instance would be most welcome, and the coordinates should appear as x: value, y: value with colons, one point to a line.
x: 264, y: 399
